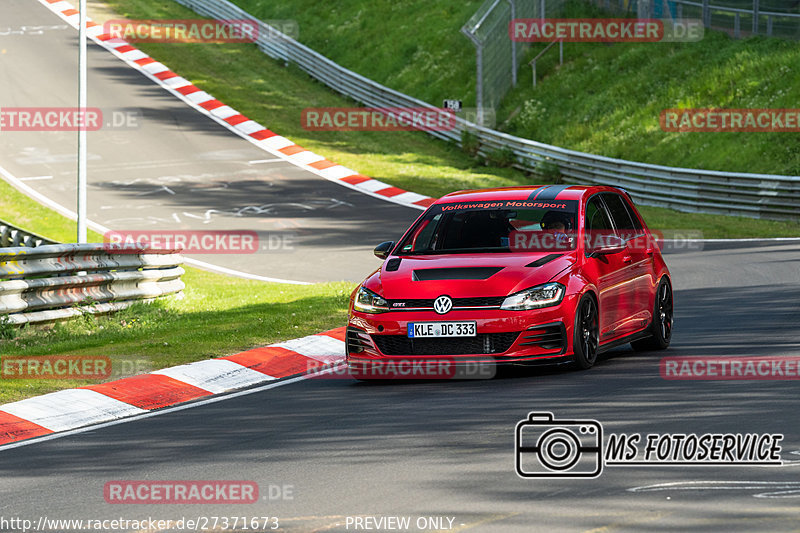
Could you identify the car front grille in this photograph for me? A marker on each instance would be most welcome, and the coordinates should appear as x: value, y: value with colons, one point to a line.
x: 427, y: 303
x: 484, y: 343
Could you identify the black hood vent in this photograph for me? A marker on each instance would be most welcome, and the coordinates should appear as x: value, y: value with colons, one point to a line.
x: 436, y: 274
x: 393, y: 264
x: 543, y: 260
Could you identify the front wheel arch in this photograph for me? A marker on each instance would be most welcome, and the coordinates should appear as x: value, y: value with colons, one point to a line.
x: 661, y: 324
x: 586, y: 331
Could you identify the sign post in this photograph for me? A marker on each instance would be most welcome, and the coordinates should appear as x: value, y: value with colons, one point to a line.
x: 82, y: 104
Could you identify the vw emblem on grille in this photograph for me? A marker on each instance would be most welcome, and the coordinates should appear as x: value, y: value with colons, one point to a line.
x: 442, y: 305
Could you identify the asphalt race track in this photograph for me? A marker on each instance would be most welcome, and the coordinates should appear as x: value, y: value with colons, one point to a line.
x: 446, y: 448
x: 177, y: 169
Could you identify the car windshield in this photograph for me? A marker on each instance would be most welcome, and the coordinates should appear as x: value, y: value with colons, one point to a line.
x: 498, y: 226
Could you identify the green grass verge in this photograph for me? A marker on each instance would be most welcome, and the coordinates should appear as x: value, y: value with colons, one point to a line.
x: 606, y: 99
x: 219, y: 315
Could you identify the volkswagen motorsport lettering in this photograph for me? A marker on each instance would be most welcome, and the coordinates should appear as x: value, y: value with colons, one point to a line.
x: 560, y: 206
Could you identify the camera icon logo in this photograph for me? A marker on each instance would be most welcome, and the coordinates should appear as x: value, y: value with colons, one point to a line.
x: 549, y: 448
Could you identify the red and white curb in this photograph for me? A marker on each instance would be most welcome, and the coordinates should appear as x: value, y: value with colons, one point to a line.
x: 95, y: 404
x: 234, y: 121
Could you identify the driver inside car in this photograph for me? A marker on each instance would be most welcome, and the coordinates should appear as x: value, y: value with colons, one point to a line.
x: 559, y: 224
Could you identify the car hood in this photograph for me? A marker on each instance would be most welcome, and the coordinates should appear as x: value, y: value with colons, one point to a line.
x: 465, y: 275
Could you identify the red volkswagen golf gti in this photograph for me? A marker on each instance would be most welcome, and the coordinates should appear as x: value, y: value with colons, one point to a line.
x: 552, y: 274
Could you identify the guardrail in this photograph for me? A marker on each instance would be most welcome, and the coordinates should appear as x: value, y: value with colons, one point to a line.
x: 731, y: 17
x: 11, y: 235
x: 63, y: 280
x: 729, y: 193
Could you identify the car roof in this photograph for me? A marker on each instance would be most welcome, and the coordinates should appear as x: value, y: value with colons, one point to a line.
x: 549, y: 192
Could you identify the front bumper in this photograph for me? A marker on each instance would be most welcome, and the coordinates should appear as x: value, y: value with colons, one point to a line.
x: 542, y: 335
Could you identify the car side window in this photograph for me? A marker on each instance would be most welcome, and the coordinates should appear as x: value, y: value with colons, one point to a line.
x: 424, y: 236
x: 625, y: 221
x: 596, y: 216
x: 636, y: 224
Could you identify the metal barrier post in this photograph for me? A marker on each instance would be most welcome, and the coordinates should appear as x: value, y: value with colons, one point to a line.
x: 511, y: 3
x: 755, y: 17
x: 478, y: 74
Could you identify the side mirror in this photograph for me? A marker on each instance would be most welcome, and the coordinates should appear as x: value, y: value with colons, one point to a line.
x: 382, y: 250
x: 612, y: 245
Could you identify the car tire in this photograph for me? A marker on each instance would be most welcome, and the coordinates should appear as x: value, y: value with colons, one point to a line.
x: 586, y: 334
x: 661, y: 325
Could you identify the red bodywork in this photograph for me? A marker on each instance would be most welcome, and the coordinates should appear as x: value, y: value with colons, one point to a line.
x: 623, y: 283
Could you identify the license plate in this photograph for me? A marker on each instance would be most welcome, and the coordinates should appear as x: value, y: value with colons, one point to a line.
x: 442, y: 329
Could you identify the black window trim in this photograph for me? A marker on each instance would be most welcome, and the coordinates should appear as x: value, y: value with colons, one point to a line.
x: 639, y: 232
x: 602, y: 202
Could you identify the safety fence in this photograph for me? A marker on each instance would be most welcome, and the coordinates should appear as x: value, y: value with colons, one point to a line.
x: 729, y: 193
x: 776, y: 18
x: 58, y: 281
x: 497, y: 57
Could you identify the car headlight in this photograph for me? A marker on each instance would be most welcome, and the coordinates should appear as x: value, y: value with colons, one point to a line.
x: 545, y: 295
x: 367, y: 301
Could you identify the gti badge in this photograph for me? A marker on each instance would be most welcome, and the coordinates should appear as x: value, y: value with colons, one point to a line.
x: 443, y: 305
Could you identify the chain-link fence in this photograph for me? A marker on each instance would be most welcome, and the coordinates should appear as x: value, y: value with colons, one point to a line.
x: 497, y: 57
